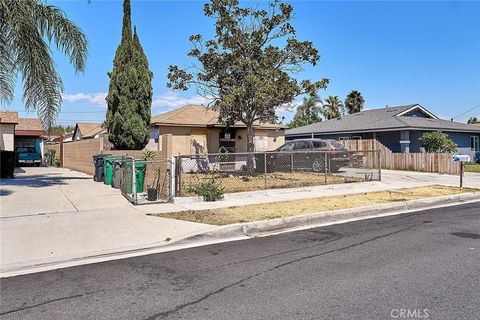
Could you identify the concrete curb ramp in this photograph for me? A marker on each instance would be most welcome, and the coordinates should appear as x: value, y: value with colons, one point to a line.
x: 311, y: 220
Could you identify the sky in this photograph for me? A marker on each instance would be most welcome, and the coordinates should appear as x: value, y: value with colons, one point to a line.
x: 393, y: 52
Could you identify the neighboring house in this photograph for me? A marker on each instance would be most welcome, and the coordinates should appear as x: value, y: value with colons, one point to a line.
x: 29, y: 132
x: 87, y: 131
x: 398, y: 128
x: 195, y: 129
x: 8, y: 121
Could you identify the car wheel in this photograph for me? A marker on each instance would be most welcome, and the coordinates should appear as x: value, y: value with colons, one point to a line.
x: 317, y: 166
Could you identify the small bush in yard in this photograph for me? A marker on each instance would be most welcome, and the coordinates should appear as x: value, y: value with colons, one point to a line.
x: 210, y: 190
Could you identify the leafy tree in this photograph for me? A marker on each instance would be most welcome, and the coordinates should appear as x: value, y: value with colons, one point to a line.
x: 60, y: 129
x: 354, y: 102
x: 473, y: 120
x: 333, y: 107
x: 437, y: 142
x: 25, y: 28
x: 130, y: 91
x: 248, y: 69
x: 307, y: 113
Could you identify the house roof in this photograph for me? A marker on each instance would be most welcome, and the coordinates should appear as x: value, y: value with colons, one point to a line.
x: 391, y: 118
x: 29, y: 127
x: 199, y: 116
x: 9, y: 117
x: 89, y: 130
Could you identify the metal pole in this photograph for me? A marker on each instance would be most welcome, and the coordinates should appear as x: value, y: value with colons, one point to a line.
x: 265, y: 169
x: 461, y: 175
x: 173, y: 172
x: 325, y: 166
x: 134, y: 182
x: 291, y: 162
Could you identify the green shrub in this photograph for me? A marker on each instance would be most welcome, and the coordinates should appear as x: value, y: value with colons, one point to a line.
x: 210, y: 190
x: 436, y: 141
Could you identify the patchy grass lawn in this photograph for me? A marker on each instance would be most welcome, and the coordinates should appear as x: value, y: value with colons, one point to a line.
x: 260, y: 182
x: 283, y: 209
x: 475, y: 167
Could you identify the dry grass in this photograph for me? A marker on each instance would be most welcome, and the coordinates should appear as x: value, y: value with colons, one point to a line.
x: 267, y: 211
x: 261, y: 182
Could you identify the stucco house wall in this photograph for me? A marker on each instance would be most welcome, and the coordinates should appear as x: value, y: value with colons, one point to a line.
x: 7, y: 134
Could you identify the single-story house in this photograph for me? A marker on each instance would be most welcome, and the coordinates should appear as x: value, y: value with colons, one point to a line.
x: 29, y: 132
x: 88, y: 131
x: 398, y: 128
x: 8, y: 121
x: 195, y: 129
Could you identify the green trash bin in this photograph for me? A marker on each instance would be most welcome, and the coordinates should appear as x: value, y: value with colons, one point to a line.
x: 108, y: 163
x: 140, y: 167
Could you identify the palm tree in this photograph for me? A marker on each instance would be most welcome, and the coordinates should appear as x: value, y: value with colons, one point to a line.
x: 310, y: 109
x: 354, y: 102
x: 25, y: 28
x: 333, y: 107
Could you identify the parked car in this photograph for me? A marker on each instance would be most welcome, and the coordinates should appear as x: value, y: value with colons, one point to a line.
x: 28, y: 155
x: 304, y: 155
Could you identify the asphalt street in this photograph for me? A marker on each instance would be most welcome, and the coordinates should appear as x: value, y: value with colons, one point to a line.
x: 417, y: 265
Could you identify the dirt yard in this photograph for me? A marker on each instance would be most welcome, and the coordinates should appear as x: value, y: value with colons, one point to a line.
x: 260, y: 182
x: 267, y: 211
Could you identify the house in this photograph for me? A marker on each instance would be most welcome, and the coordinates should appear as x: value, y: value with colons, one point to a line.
x: 8, y: 121
x: 195, y: 129
x: 29, y: 132
x: 88, y: 131
x: 398, y: 128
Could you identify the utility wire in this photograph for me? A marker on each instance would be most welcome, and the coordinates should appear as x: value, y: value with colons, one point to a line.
x: 466, y: 112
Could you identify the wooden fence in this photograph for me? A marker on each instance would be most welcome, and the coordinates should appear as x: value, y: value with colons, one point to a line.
x: 426, y: 162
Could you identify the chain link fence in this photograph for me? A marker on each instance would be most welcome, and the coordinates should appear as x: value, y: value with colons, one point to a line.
x: 145, y: 182
x: 238, y: 172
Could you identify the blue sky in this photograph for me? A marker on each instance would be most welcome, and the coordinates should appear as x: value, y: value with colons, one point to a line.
x: 393, y: 52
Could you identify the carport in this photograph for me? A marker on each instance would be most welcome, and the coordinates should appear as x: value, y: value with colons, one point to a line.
x: 28, y: 133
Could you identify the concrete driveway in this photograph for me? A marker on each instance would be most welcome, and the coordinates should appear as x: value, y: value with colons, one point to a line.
x: 55, y: 214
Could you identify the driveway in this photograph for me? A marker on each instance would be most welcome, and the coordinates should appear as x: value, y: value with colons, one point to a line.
x: 55, y: 214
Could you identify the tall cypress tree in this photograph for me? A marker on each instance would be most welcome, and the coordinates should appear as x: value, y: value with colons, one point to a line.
x: 129, y: 96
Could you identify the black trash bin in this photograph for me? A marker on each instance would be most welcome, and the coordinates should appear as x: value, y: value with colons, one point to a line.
x: 99, y: 163
x: 117, y: 174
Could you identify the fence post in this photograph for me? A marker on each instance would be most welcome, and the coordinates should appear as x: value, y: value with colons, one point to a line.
x: 325, y: 166
x: 61, y: 151
x: 379, y: 158
x: 291, y: 162
x: 173, y: 174
x: 265, y: 170
x: 134, y: 182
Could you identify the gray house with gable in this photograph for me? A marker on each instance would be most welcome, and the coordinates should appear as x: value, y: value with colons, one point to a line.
x: 398, y: 128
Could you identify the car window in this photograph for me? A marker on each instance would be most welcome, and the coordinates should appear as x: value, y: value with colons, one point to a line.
x: 286, y: 147
x: 319, y: 144
x: 301, y: 145
x: 337, y: 145
x: 26, y: 149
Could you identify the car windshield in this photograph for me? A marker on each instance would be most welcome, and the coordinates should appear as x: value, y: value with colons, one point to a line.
x: 337, y: 145
x: 286, y: 147
x: 26, y: 150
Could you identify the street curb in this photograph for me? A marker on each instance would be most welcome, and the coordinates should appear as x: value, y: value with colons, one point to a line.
x: 275, y: 225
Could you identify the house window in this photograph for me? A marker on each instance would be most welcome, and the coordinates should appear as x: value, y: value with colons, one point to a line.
x: 357, y: 138
x: 475, y: 143
x: 343, y: 138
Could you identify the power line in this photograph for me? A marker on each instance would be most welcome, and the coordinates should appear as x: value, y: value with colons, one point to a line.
x: 466, y: 112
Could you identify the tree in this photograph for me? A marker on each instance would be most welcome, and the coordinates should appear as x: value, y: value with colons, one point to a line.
x: 308, y: 112
x: 333, y: 108
x: 247, y: 70
x: 25, y: 25
x: 472, y: 120
x: 437, y: 142
x: 130, y: 91
x: 354, y: 102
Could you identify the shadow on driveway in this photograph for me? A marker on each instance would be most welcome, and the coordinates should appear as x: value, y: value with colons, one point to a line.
x: 37, y: 181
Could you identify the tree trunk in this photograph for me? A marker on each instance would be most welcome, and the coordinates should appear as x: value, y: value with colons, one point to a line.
x: 250, y: 149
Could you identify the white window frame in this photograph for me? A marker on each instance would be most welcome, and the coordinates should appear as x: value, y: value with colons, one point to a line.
x: 356, y: 137
x: 474, y: 143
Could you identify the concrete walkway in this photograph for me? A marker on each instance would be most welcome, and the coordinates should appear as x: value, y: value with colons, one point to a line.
x: 54, y: 214
x: 391, y: 180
